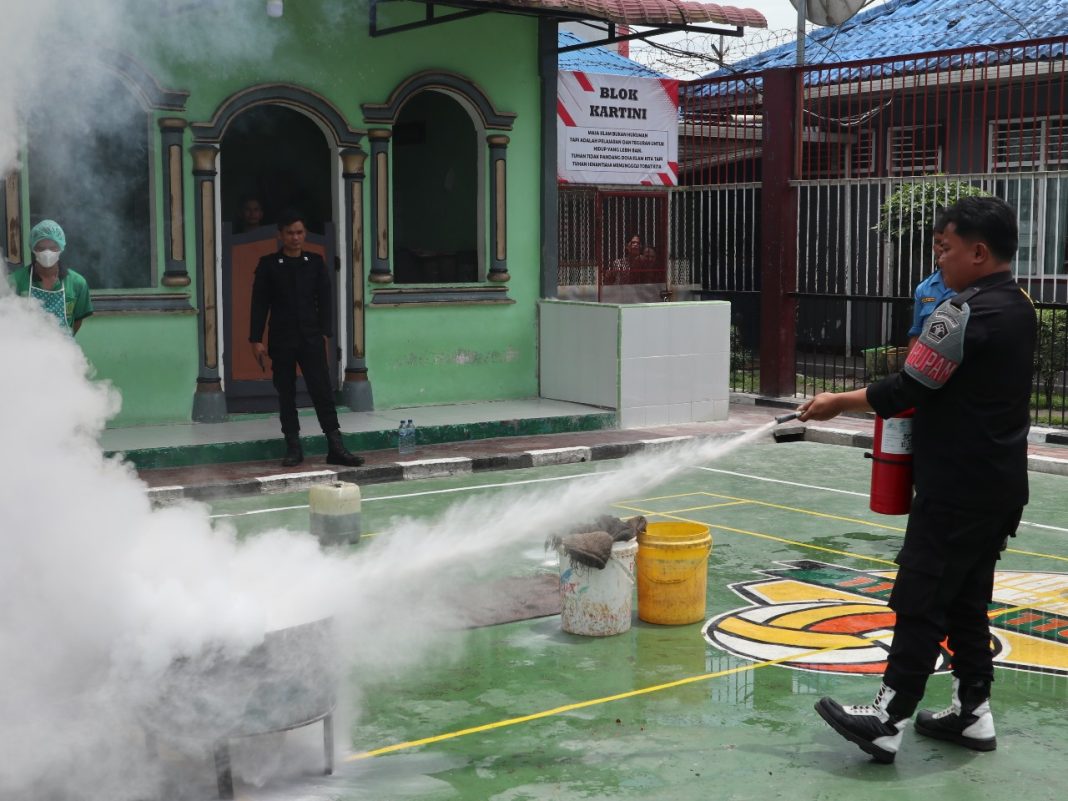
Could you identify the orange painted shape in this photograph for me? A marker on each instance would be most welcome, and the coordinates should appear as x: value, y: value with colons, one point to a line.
x: 854, y: 582
x: 854, y: 624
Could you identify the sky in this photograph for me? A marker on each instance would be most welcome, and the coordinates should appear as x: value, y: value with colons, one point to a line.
x: 782, y: 22
x: 780, y: 13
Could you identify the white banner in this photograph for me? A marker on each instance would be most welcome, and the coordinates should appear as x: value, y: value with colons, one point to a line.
x: 615, y: 129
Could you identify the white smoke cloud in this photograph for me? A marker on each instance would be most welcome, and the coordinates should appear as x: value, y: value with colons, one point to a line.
x: 100, y: 594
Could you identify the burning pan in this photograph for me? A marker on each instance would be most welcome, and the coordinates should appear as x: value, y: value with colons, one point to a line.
x: 286, y: 682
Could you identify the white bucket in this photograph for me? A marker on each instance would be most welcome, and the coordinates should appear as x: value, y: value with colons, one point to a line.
x: 598, y: 603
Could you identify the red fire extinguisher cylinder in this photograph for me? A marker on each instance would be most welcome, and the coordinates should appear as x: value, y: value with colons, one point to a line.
x: 891, y: 465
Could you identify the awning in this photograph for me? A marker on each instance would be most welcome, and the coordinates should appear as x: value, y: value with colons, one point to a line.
x: 639, y: 12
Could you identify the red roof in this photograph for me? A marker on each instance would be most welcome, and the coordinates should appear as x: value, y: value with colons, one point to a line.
x: 646, y: 12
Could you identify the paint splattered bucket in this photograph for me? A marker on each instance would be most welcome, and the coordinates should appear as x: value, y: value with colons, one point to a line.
x: 673, y: 572
x: 598, y: 603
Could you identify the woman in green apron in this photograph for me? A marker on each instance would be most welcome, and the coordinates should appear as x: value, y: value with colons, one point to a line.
x: 62, y: 292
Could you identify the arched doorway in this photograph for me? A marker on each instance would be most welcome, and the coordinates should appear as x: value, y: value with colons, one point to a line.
x: 280, y: 159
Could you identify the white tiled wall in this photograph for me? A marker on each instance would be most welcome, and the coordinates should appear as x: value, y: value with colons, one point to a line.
x: 657, y: 363
x: 578, y: 353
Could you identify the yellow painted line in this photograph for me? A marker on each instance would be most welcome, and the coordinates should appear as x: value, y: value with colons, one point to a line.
x: 798, y: 510
x: 760, y: 535
x: 500, y: 724
x: 786, y: 637
x: 663, y: 497
x: 703, y: 508
x: 810, y: 512
x: 1040, y: 555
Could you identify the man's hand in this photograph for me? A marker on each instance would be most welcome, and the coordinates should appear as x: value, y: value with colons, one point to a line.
x: 259, y: 353
x: 831, y: 404
x: 822, y: 407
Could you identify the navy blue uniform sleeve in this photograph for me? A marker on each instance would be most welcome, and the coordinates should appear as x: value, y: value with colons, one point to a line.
x: 323, y: 300
x: 261, y: 303
x: 896, y: 393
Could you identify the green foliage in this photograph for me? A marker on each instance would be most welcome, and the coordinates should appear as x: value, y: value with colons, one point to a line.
x: 740, y: 354
x: 1051, y: 351
x: 912, y: 209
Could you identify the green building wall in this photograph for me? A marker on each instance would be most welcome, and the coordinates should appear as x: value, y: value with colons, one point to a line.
x: 419, y: 354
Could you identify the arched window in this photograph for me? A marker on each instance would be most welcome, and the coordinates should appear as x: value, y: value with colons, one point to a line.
x: 436, y: 178
x: 88, y: 168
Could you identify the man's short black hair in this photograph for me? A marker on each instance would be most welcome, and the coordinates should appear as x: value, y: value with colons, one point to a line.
x: 290, y: 216
x: 985, y: 219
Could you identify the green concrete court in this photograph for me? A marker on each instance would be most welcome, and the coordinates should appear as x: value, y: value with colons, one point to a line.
x: 524, y: 711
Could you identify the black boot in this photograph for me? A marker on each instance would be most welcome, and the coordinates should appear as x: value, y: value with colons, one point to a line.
x: 294, y: 453
x: 337, y: 453
x: 876, y: 727
x: 966, y: 721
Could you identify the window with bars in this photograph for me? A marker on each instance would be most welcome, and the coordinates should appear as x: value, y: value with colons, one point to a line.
x: 1028, y: 144
x: 1036, y: 149
x: 913, y: 150
x: 862, y: 154
x: 830, y: 159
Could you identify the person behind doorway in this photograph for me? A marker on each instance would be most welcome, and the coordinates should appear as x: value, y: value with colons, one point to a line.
x: 969, y: 379
x: 62, y: 292
x: 930, y: 293
x: 292, y: 288
x: 250, y: 214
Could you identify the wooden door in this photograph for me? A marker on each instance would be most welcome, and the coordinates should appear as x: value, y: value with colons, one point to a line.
x: 249, y: 389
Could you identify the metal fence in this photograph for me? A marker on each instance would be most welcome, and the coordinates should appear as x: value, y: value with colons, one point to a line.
x: 877, y: 148
x: 808, y: 199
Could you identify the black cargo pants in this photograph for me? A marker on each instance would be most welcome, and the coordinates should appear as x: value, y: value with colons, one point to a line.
x: 943, y: 589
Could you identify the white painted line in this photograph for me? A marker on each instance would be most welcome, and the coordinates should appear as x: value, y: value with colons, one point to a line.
x: 447, y: 491
x: 843, y: 492
x: 781, y: 481
x: 259, y: 511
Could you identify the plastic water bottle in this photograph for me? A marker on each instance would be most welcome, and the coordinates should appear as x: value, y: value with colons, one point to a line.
x: 405, y: 438
x: 413, y: 433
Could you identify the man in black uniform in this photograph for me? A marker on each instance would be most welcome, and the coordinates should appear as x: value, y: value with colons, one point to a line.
x: 969, y: 379
x: 293, y: 287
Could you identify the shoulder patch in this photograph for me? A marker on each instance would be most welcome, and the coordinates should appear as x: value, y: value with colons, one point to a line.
x: 940, y: 348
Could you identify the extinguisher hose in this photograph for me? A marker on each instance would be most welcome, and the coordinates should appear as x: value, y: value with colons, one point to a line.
x: 880, y: 459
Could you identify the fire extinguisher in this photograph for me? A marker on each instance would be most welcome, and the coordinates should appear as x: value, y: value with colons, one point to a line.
x: 891, y: 464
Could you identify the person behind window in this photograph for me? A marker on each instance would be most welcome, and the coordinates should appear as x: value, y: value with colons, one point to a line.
x: 250, y: 215
x: 61, y: 291
x: 623, y: 269
x: 293, y: 287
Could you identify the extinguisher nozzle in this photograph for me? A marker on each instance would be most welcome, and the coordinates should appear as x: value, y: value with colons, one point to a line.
x: 786, y: 418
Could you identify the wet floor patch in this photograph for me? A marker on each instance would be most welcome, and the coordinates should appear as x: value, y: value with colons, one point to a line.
x: 798, y: 577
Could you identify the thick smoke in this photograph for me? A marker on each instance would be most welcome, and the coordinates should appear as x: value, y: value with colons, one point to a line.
x: 100, y: 594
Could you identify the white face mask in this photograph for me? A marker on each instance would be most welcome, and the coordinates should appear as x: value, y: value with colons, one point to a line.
x: 47, y: 258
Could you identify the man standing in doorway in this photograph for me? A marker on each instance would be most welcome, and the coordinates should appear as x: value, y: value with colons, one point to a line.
x: 969, y: 379
x: 292, y: 286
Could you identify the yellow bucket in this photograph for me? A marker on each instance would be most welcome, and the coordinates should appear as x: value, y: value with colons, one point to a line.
x: 672, y: 572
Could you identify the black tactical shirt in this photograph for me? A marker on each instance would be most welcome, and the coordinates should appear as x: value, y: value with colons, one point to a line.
x: 296, y: 292
x: 972, y: 401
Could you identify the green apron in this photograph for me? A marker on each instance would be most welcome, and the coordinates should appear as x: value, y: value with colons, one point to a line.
x: 54, y: 301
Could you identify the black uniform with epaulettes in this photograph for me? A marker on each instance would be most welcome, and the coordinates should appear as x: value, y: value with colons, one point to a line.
x: 969, y: 379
